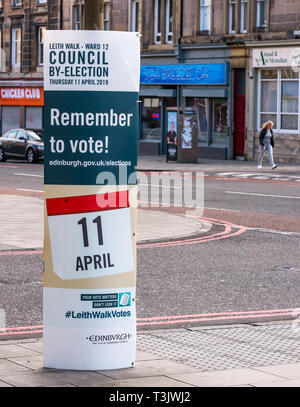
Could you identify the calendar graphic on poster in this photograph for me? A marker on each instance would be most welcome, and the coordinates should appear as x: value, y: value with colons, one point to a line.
x: 89, y: 240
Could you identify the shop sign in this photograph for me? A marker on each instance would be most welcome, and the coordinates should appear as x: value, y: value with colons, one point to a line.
x: 204, y: 74
x: 21, y: 96
x: 276, y: 57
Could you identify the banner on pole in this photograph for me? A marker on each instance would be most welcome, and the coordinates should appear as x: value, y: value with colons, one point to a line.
x: 91, y: 140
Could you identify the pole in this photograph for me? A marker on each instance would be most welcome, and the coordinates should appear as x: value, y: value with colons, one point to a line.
x: 94, y: 15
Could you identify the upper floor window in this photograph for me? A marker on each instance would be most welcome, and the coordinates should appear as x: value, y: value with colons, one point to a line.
x: 205, y: 7
x: 41, y: 31
x: 244, y: 15
x: 16, y: 47
x: 157, y: 21
x: 231, y: 15
x: 135, y: 10
x: 106, y: 16
x: 42, y: 1
x: 169, y: 21
x: 76, y: 18
x: 16, y: 3
x: 261, y: 18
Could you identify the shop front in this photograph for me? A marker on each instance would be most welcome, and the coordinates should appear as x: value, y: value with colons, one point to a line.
x: 202, y: 87
x: 21, y: 106
x: 274, y: 85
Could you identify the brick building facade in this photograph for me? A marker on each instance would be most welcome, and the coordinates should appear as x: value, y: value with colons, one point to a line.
x: 253, y: 45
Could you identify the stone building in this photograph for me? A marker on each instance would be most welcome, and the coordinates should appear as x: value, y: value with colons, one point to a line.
x: 234, y: 62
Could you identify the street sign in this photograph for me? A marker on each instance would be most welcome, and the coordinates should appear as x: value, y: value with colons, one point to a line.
x: 91, y: 141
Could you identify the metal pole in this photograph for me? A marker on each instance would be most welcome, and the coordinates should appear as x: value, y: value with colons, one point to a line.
x: 94, y: 15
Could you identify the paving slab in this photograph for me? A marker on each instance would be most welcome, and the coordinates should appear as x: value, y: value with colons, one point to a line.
x: 30, y: 362
x: 288, y: 371
x: 7, y: 366
x: 3, y: 384
x: 161, y: 367
x: 157, y: 381
x: 44, y: 377
x: 225, y: 378
x: 10, y: 351
x: 279, y: 383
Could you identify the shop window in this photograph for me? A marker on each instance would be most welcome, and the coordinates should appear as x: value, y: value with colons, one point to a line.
x: 135, y: 11
x: 11, y: 118
x: 34, y: 117
x: 202, y: 106
x: 16, y: 47
x: 219, y: 121
x: 244, y: 15
x: 157, y: 21
x: 205, y: 11
x: 261, y: 13
x: 41, y: 31
x: 169, y: 21
x: 279, y: 99
x: 151, y: 120
x: 231, y: 16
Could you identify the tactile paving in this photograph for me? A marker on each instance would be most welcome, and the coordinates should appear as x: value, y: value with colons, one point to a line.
x: 225, y: 348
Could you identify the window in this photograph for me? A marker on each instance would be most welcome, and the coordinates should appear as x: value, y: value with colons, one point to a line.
x: 16, y: 47
x: 151, y: 121
x: 279, y: 99
x: 231, y: 15
x: 205, y: 6
x: 41, y: 31
x: 157, y: 21
x: 244, y: 15
x: 106, y: 17
x: 135, y: 8
x: 260, y: 13
x: 16, y: 3
x: 169, y: 21
x: 42, y: 1
x: 76, y: 18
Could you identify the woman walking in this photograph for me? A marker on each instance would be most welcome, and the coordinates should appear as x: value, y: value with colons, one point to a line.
x: 266, y: 141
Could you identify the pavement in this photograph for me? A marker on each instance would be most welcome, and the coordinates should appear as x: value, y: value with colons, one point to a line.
x: 158, y: 163
x: 237, y: 355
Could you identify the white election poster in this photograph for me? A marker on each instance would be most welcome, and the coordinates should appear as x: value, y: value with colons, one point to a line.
x: 91, y: 134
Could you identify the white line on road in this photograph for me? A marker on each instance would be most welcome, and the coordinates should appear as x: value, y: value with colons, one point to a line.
x: 264, y: 195
x: 29, y: 175
x: 158, y: 186
x: 29, y: 190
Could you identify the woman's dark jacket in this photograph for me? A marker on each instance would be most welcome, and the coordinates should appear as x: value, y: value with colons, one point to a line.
x: 262, y: 136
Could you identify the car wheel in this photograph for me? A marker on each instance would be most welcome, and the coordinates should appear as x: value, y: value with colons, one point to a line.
x: 30, y: 156
x: 2, y: 156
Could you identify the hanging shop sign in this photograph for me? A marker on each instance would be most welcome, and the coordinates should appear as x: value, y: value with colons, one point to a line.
x: 91, y: 140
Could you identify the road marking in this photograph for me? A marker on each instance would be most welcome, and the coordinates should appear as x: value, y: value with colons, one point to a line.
x: 29, y: 190
x: 159, y: 186
x: 265, y: 195
x: 29, y: 175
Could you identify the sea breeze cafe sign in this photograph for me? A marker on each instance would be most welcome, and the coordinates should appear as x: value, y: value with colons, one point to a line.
x: 91, y: 139
x: 276, y: 57
x: 204, y: 74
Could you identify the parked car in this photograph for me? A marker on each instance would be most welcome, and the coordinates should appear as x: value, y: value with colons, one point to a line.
x: 21, y: 143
